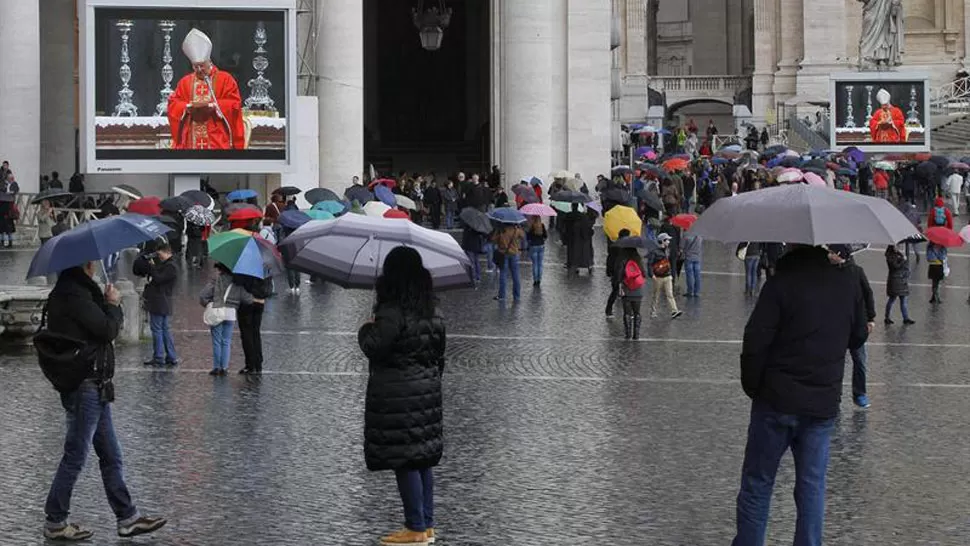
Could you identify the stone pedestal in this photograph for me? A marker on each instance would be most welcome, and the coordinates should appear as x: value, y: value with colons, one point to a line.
x: 791, y: 30
x: 340, y: 90
x: 763, y: 79
x: 20, y: 90
x: 131, y: 307
x: 823, y: 45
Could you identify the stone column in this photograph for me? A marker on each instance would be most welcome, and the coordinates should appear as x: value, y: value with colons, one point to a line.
x: 340, y: 90
x: 824, y: 49
x: 526, y: 88
x: 559, y: 106
x: 20, y: 90
x: 790, y: 31
x: 763, y: 80
x: 589, y: 88
x: 58, y: 118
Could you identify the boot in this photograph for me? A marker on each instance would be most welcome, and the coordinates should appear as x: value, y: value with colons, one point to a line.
x: 627, y: 326
x: 636, y: 327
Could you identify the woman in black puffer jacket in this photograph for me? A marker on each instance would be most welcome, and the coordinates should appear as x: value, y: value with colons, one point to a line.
x: 405, y: 344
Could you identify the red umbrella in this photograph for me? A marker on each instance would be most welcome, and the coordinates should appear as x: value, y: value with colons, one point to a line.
x: 676, y: 164
x: 245, y: 214
x: 684, y: 221
x: 148, y: 206
x: 395, y: 213
x: 944, y: 237
x: 389, y: 182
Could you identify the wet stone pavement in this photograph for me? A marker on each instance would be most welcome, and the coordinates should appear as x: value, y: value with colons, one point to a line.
x: 557, y: 431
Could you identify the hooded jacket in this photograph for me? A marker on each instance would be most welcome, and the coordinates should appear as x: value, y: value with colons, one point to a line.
x: 931, y: 215
x: 76, y: 308
x: 807, y: 316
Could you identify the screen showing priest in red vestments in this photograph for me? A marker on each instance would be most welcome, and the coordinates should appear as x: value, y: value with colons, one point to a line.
x: 887, y: 124
x: 205, y: 111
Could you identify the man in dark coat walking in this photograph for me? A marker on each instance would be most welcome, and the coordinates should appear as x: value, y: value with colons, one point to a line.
x: 841, y: 256
x: 578, y: 233
x: 159, y: 297
x: 432, y: 200
x: 78, y: 309
x: 792, y: 364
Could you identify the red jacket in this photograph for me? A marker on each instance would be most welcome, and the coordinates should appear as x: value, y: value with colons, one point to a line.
x: 881, y: 180
x: 931, y: 215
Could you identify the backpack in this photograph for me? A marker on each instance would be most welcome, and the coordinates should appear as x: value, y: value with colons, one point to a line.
x: 633, y: 276
x: 661, y: 268
x: 939, y: 216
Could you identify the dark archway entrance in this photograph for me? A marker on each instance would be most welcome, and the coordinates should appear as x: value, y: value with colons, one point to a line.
x: 426, y: 110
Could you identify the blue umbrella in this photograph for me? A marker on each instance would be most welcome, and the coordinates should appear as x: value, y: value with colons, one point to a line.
x: 721, y: 160
x: 335, y: 208
x: 506, y: 215
x: 94, y: 240
x: 535, y: 181
x: 293, y: 219
x: 241, y: 195
x: 385, y: 196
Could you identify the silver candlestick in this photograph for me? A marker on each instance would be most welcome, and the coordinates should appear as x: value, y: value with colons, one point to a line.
x: 869, y: 101
x: 259, y: 99
x: 167, y: 74
x: 125, y: 107
x: 849, y: 117
x: 912, y: 115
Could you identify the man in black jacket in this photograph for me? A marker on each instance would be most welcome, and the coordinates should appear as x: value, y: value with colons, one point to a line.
x: 159, y: 296
x: 841, y: 256
x: 78, y: 309
x: 792, y: 364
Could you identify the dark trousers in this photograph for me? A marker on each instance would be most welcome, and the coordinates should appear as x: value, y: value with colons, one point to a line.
x: 292, y: 278
x: 434, y: 211
x: 859, y: 359
x: 770, y: 435
x: 193, y: 251
x: 250, y: 320
x: 611, y: 300
x: 936, y: 290
x: 417, y: 494
x: 631, y: 307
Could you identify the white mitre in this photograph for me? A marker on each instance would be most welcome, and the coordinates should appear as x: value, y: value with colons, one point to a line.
x: 197, y: 46
x: 883, y: 97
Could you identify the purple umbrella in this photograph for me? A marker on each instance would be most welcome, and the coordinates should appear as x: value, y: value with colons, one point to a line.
x: 385, y: 196
x: 855, y: 154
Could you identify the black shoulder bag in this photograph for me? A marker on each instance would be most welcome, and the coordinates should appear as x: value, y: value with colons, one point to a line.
x: 65, y: 361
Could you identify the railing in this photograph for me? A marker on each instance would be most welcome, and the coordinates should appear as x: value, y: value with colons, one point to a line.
x: 704, y: 84
x: 951, y: 98
x: 72, y: 211
x: 675, y: 31
x: 811, y: 138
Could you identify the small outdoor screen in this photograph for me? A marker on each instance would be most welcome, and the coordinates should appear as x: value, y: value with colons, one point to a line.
x: 880, y: 114
x: 153, y: 102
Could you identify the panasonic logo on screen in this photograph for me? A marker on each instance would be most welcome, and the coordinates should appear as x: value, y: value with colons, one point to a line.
x: 109, y: 169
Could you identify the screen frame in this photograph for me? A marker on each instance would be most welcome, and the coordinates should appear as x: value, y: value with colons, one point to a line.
x: 86, y: 71
x: 888, y: 77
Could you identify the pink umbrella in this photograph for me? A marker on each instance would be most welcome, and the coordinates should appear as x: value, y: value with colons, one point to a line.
x: 958, y: 166
x: 788, y: 177
x: 538, y: 209
x: 813, y: 179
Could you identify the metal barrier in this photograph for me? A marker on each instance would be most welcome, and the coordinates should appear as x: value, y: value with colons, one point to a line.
x: 951, y: 98
x: 808, y: 135
x: 70, y: 210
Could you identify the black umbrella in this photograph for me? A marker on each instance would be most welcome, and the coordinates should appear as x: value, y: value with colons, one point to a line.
x: 791, y: 161
x: 814, y: 164
x: 650, y: 199
x: 654, y: 169
x: 198, y: 197
x: 355, y: 193
x: 50, y: 195
x: 289, y: 191
x: 927, y: 169
x: 620, y: 196
x: 642, y: 243
x: 940, y: 161
x: 317, y: 195
x: 176, y: 204
x: 476, y: 220
x: 568, y: 196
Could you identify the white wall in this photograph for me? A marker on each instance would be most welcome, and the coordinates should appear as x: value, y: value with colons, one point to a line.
x: 589, y: 88
x: 57, y: 85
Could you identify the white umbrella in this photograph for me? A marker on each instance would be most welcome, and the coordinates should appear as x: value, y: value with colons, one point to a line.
x: 405, y: 202
x: 788, y: 177
x: 561, y: 173
x: 800, y: 213
x: 375, y: 209
x: 350, y: 251
x: 127, y: 191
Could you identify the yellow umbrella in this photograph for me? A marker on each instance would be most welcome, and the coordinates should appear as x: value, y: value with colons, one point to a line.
x: 620, y: 218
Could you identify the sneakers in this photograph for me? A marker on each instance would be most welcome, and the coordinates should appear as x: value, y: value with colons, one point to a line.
x: 430, y: 535
x: 407, y: 537
x: 141, y: 526
x: 676, y: 314
x: 862, y: 401
x: 215, y: 372
x: 152, y: 363
x: 908, y: 322
x: 69, y: 533
x: 889, y: 321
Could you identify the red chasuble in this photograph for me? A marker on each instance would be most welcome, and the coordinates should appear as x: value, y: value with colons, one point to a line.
x: 888, y: 125
x: 205, y: 129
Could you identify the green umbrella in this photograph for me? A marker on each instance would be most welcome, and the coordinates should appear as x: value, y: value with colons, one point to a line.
x: 316, y: 214
x: 565, y: 207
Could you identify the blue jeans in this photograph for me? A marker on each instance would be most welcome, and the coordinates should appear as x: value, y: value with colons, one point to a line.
x: 221, y: 344
x: 510, y: 268
x: 88, y: 423
x: 903, y: 306
x: 162, y: 342
x: 537, y: 255
x: 417, y: 494
x: 449, y: 218
x: 770, y: 435
x: 860, y: 357
x: 692, y: 269
x: 489, y: 249
x: 751, y: 273
x: 476, y: 266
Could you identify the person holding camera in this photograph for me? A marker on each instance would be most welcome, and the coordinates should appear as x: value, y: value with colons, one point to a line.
x: 79, y: 311
x: 158, y: 303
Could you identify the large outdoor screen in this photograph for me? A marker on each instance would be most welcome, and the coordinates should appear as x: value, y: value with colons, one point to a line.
x: 880, y: 111
x: 184, y: 88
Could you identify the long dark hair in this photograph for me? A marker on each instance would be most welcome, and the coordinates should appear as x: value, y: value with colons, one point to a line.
x: 405, y: 282
x: 627, y: 254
